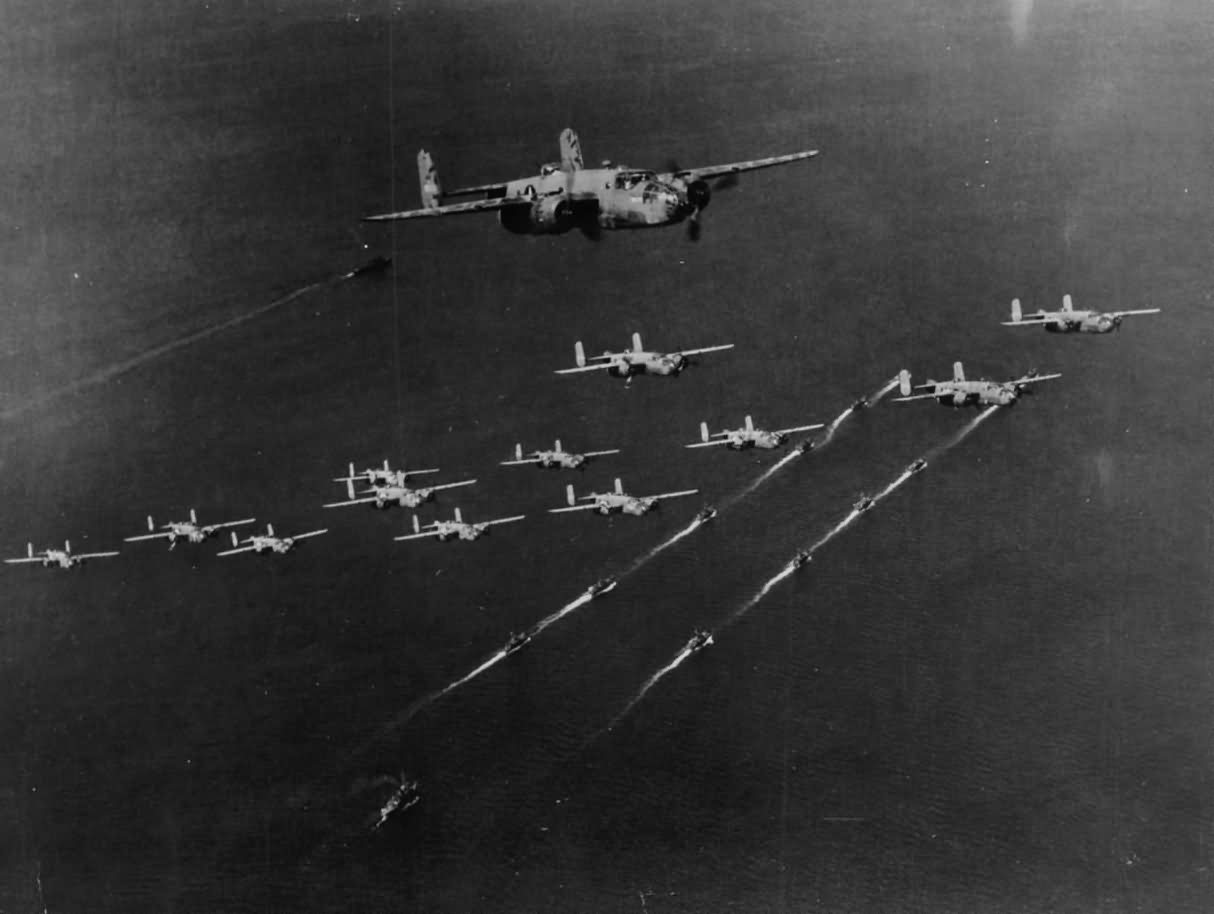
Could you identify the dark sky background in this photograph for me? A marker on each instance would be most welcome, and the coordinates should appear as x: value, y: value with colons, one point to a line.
x: 992, y: 693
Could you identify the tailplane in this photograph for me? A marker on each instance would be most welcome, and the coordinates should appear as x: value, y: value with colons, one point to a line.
x: 1017, y: 314
x: 427, y: 176
x: 571, y: 151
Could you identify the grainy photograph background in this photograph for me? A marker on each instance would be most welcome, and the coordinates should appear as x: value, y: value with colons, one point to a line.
x: 992, y: 693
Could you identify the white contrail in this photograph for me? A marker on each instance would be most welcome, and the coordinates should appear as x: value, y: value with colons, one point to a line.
x: 119, y: 368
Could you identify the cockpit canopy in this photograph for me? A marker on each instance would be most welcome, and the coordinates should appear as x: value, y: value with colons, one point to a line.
x: 629, y: 180
x: 549, y: 168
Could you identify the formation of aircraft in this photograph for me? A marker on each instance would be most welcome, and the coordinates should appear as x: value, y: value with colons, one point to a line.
x: 748, y: 436
x: 62, y: 558
x: 557, y: 457
x: 267, y: 542
x: 382, y: 476
x: 566, y: 195
x: 636, y: 360
x: 189, y: 530
x: 1068, y: 320
x: 959, y: 392
x: 385, y: 494
x: 619, y: 500
x: 455, y: 529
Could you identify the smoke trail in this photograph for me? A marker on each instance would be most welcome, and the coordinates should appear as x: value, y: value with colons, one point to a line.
x: 964, y: 432
x: 120, y: 368
x: 661, y: 547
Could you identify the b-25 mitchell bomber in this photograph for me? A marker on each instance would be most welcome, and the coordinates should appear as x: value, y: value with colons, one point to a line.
x: 557, y: 457
x: 62, y: 558
x: 382, y: 476
x: 189, y: 530
x: 455, y: 529
x: 611, y: 502
x: 748, y: 436
x: 567, y: 195
x: 1068, y: 320
x: 636, y: 360
x: 267, y: 542
x: 959, y: 392
x: 384, y: 495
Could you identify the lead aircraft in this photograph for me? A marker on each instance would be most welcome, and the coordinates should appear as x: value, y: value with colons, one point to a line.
x: 619, y: 500
x: 189, y: 530
x: 748, y: 436
x: 567, y: 195
x: 1068, y: 320
x: 636, y: 360
x: 267, y: 542
x: 455, y: 529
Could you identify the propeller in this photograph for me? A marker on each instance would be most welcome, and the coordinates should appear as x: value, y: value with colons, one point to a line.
x: 699, y: 193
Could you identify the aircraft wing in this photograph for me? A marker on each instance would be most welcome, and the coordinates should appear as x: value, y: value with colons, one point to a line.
x: 583, y: 368
x: 92, y: 555
x: 145, y: 536
x: 1139, y: 311
x: 503, y: 520
x: 452, y: 485
x: 231, y: 523
x: 23, y: 561
x: 934, y: 396
x: 572, y: 508
x: 236, y: 550
x: 1035, y: 320
x: 1033, y: 379
x: 352, y: 501
x: 417, y: 536
x: 705, y: 349
x: 518, y: 463
x: 675, y: 494
x: 304, y: 536
x: 799, y: 428
x: 708, y: 443
x: 476, y: 206
x: 599, y: 453
x: 733, y: 168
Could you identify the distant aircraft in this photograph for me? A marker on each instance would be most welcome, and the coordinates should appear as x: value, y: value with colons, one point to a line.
x: 1068, y: 320
x: 268, y: 542
x: 385, y: 495
x: 567, y: 195
x: 455, y: 529
x: 610, y: 502
x: 557, y: 457
x: 749, y: 436
x: 404, y: 795
x: 382, y: 476
x: 960, y: 392
x: 63, y: 558
x: 189, y: 530
x: 636, y: 360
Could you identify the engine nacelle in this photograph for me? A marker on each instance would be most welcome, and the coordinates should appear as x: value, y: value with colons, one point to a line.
x: 552, y: 215
x: 699, y: 193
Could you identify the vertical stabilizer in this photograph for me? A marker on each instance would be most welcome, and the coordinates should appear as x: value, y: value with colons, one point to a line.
x: 1017, y: 314
x: 704, y: 432
x: 636, y: 343
x: 518, y: 452
x: 417, y: 527
x: 557, y: 446
x: 619, y: 486
x: 459, y: 518
x: 958, y: 371
x: 750, y: 424
x: 1067, y: 303
x: 427, y: 176
x: 235, y: 540
x: 67, y: 546
x: 569, y: 496
x: 904, y: 385
x: 193, y: 517
x: 269, y: 529
x: 571, y: 151
x: 579, y: 354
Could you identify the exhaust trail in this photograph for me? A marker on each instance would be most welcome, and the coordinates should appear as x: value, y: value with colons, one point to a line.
x: 964, y: 433
x: 110, y: 372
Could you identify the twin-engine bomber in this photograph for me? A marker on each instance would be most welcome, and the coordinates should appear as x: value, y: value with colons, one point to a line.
x: 566, y: 195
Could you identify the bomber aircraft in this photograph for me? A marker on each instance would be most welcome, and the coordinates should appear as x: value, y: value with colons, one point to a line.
x: 382, y: 476
x: 189, y: 530
x: 455, y: 529
x: 1068, y: 320
x: 611, y: 502
x: 386, y: 495
x: 636, y: 360
x: 557, y: 457
x: 267, y: 542
x: 63, y: 558
x: 567, y: 195
x: 959, y: 392
x: 748, y: 436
